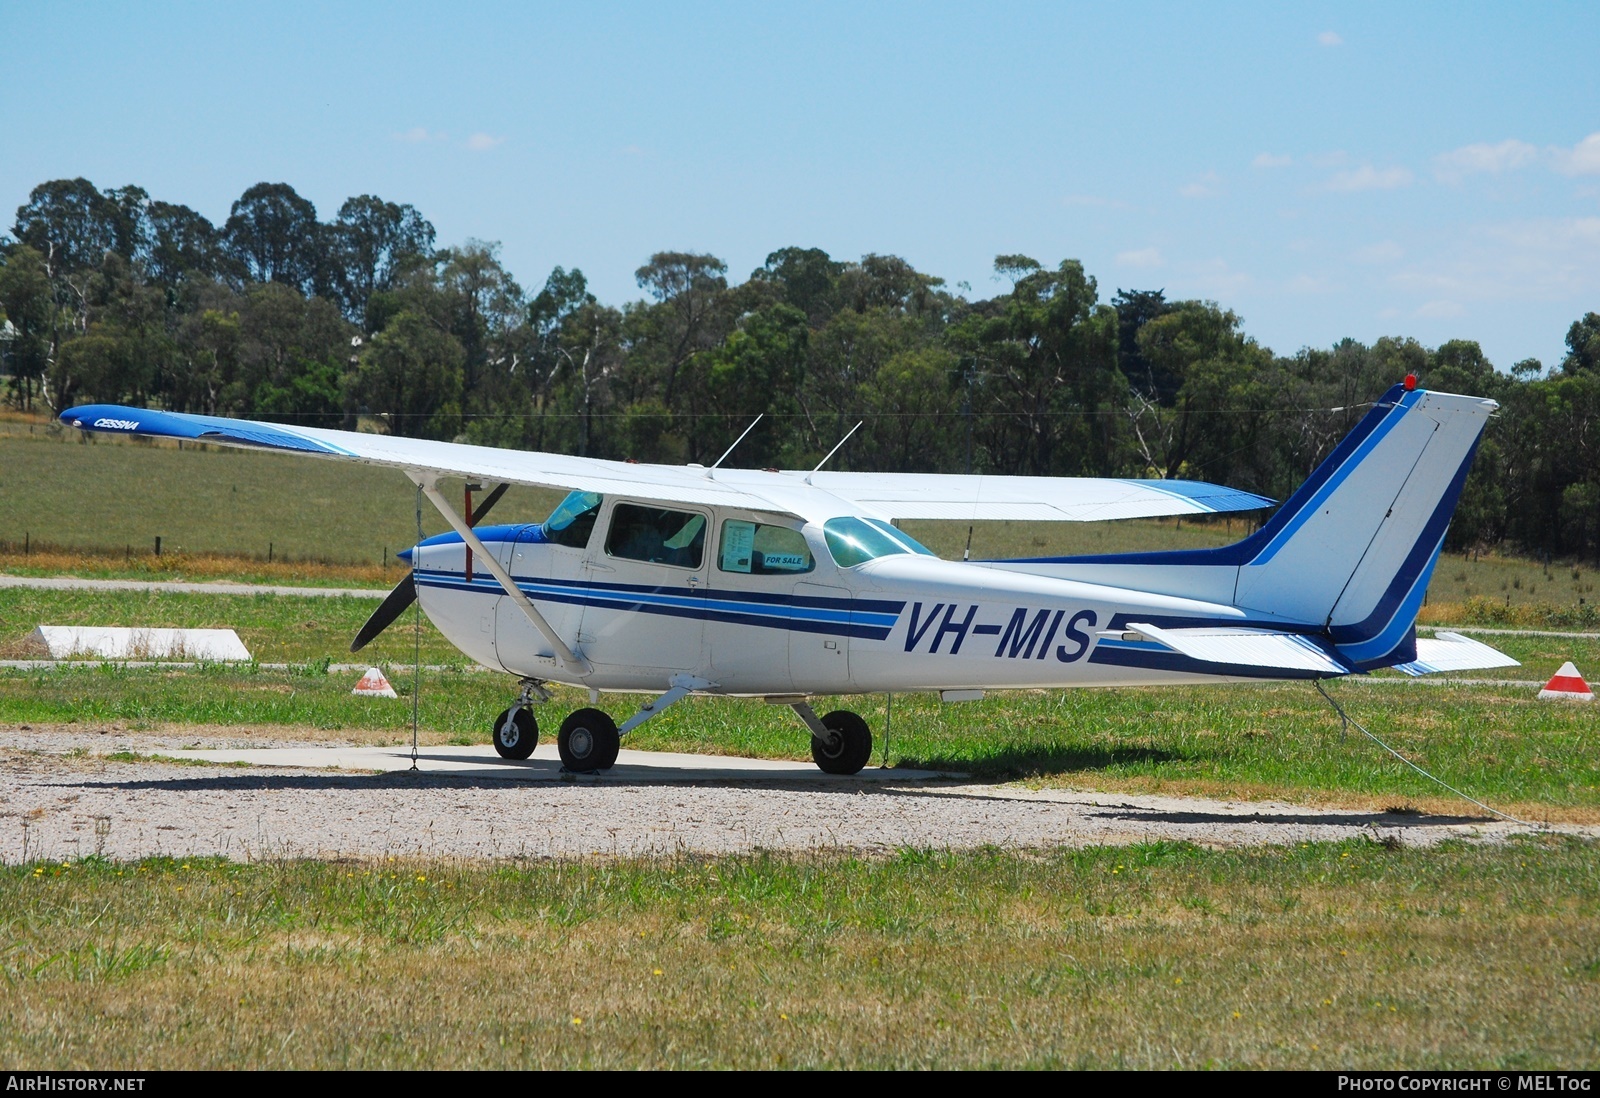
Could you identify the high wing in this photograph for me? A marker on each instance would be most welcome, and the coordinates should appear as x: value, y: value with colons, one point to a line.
x: 817, y: 495
x: 1032, y: 499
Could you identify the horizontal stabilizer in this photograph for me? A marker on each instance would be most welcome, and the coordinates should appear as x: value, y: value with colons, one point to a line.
x: 1453, y: 652
x: 1246, y: 647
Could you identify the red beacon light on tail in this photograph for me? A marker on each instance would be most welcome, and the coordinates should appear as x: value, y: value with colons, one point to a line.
x: 1410, y: 382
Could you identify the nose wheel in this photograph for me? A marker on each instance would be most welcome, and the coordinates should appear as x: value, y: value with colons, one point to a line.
x: 588, y: 741
x: 516, y: 733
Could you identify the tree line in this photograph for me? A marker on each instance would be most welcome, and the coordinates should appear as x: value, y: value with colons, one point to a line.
x: 363, y: 322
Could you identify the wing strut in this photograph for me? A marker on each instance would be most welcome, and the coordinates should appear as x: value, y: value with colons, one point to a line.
x: 570, y: 659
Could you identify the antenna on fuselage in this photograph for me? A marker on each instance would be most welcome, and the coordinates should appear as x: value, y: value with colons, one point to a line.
x: 835, y: 450
x: 731, y: 449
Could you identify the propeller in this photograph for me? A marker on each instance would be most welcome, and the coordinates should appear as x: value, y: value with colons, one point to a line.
x: 405, y: 592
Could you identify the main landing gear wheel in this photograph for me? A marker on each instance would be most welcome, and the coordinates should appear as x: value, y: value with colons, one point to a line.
x: 588, y: 741
x: 851, y: 748
x: 516, y: 733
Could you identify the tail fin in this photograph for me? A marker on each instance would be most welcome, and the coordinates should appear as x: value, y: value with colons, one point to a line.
x: 1354, y: 548
x: 1351, y: 552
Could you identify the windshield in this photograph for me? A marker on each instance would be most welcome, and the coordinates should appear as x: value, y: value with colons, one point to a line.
x: 572, y: 521
x: 854, y: 541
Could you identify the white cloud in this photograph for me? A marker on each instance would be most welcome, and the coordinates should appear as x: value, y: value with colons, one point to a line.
x: 1216, y: 279
x: 483, y: 142
x: 1094, y: 200
x: 1311, y: 284
x: 1385, y: 251
x: 1207, y: 186
x: 1582, y: 159
x: 418, y: 134
x: 1143, y: 257
x: 1509, y: 155
x: 1551, y: 236
x: 1439, y: 310
x: 1328, y: 159
x: 1539, y: 259
x: 1272, y: 160
x: 1330, y: 38
x: 1368, y: 178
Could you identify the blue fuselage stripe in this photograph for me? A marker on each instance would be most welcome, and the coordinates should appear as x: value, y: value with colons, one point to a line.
x: 866, y: 618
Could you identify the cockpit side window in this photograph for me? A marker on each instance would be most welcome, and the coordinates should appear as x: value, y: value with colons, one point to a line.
x: 657, y: 535
x: 853, y: 541
x: 572, y: 521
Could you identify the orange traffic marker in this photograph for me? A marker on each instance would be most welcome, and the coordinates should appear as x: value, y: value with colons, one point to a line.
x: 374, y: 685
x: 1568, y: 684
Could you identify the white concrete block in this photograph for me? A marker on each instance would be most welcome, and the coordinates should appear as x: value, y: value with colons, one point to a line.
x: 66, y: 642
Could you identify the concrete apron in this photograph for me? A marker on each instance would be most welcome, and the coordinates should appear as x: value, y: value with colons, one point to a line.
x: 633, y: 767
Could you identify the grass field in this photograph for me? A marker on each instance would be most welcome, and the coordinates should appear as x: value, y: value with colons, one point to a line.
x: 1351, y: 955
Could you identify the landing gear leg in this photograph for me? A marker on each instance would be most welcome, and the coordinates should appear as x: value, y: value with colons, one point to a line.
x: 841, y: 742
x: 516, y: 732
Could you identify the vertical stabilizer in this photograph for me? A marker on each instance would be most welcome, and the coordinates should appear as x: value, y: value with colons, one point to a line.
x: 1354, y: 548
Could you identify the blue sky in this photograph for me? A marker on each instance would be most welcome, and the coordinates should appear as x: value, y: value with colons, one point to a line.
x: 1327, y: 170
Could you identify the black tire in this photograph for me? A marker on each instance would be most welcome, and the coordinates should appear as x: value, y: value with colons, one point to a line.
x: 588, y: 741
x: 853, y: 748
x: 515, y: 733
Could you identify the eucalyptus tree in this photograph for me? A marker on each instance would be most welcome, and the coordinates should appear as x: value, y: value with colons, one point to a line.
x: 182, y: 244
x: 273, y: 233
x: 29, y: 305
x: 373, y: 242
x: 1049, y: 395
x: 410, y: 377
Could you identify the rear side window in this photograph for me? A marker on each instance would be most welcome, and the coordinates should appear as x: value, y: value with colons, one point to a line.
x: 760, y: 549
x: 657, y: 535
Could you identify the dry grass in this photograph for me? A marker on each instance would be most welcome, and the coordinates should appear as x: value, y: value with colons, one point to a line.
x: 1352, y: 955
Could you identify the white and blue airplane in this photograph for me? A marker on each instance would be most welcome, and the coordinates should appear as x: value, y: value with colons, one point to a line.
x: 673, y: 580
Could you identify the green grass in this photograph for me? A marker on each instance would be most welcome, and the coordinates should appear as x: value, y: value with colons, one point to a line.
x: 1347, y: 955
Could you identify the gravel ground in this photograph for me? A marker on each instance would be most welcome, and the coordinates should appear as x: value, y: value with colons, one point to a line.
x: 60, y: 798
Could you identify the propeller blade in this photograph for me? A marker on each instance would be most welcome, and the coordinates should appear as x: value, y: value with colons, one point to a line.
x: 405, y: 592
x: 393, y: 605
x: 488, y: 501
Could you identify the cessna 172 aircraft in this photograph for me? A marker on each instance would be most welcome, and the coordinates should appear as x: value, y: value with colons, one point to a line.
x: 673, y: 580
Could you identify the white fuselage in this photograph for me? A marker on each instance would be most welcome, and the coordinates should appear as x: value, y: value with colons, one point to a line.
x: 903, y: 622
